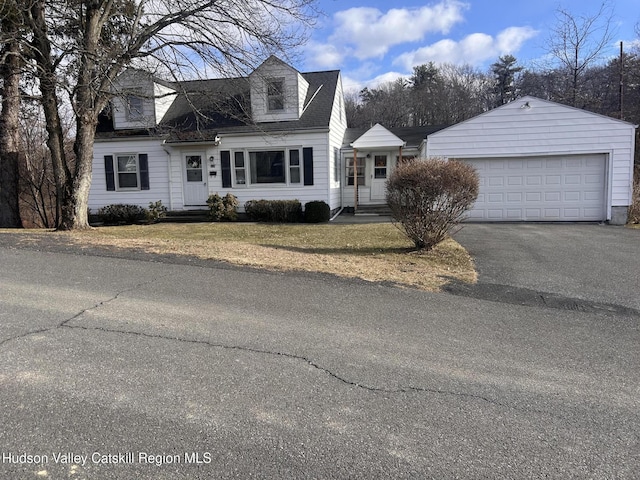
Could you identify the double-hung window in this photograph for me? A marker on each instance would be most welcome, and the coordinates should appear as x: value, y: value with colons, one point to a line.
x: 275, y: 94
x: 359, y: 170
x: 127, y: 171
x: 135, y: 107
x: 240, y: 168
x: 294, y: 166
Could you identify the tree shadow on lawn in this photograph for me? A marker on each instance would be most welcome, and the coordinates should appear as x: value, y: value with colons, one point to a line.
x: 356, y: 251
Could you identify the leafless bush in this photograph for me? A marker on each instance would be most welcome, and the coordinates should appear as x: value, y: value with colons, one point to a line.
x: 428, y: 197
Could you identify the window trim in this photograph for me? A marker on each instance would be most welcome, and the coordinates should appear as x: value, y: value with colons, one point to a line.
x: 235, y: 168
x: 202, y: 171
x: 136, y: 113
x: 349, y: 164
x: 278, y: 97
x: 377, y: 168
x: 117, y: 172
x: 246, y: 153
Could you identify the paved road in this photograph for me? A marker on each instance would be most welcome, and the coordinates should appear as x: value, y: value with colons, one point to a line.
x: 300, y: 376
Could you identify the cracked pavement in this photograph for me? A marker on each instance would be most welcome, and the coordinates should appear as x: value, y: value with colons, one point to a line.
x: 272, y: 375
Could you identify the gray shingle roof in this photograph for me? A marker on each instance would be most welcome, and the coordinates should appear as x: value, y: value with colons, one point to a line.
x: 206, y: 108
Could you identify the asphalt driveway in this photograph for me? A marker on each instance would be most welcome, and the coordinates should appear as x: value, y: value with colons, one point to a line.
x: 579, y: 265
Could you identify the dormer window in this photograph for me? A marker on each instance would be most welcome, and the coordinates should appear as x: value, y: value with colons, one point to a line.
x: 135, y: 107
x: 275, y: 94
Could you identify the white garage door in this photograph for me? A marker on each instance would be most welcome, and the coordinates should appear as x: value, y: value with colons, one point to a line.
x: 558, y: 188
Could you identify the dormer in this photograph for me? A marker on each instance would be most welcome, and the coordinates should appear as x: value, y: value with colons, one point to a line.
x: 142, y: 100
x: 278, y: 92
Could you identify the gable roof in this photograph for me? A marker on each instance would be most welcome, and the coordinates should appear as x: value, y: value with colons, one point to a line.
x: 376, y: 137
x: 527, y: 103
x: 411, y: 136
x: 204, y: 109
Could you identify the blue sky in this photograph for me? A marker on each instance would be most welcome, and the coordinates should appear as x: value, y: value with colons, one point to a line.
x: 372, y: 41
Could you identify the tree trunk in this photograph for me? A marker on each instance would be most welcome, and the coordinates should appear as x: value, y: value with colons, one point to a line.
x: 10, y: 137
x: 55, y: 134
x: 75, y: 209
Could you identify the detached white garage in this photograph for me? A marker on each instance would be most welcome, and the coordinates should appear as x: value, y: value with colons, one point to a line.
x: 542, y: 161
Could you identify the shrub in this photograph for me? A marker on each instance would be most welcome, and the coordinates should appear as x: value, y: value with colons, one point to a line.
x: 223, y: 208
x: 428, y: 197
x: 634, y: 208
x: 283, y: 211
x: 316, y: 212
x: 156, y: 211
x: 121, y: 214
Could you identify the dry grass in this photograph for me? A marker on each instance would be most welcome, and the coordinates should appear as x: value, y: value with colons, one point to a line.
x: 634, y: 209
x: 374, y: 252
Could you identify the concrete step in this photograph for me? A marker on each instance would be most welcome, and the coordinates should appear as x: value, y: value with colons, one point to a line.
x: 186, y: 216
x: 383, y: 210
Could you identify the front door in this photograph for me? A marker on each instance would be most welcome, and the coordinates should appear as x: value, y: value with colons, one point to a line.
x: 195, y: 181
x: 379, y: 178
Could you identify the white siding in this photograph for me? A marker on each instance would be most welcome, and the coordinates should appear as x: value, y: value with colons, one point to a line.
x: 158, y: 182
x: 295, y: 91
x: 338, y: 126
x: 164, y: 97
x: 317, y: 191
x: 543, y: 129
x: 134, y: 82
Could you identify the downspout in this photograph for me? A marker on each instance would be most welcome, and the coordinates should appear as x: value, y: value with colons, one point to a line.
x: 337, y: 214
x: 341, y: 171
x: 355, y: 179
x: 169, y: 180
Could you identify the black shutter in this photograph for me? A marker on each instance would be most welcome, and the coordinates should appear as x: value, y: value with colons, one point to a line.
x: 225, y: 163
x: 109, y: 174
x: 307, y: 159
x: 143, y: 163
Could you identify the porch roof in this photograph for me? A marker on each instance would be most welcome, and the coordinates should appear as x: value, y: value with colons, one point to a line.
x: 411, y: 136
x: 378, y: 137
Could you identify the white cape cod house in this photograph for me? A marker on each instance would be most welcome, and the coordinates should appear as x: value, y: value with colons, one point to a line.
x: 281, y: 134
x: 275, y: 134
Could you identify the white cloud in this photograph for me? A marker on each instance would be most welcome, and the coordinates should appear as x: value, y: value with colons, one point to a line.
x: 323, y: 56
x: 351, y: 84
x: 370, y: 33
x: 474, y: 49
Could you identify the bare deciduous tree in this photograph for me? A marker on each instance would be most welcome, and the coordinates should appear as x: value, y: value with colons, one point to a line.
x: 80, y: 47
x: 10, y: 68
x: 577, y: 41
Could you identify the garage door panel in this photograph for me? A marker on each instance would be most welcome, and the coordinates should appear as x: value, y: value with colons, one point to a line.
x: 553, y: 164
x: 515, y: 181
x: 533, y: 196
x: 593, y: 196
x: 555, y: 188
x: 534, y: 164
x: 571, y: 196
x: 552, y: 196
x: 553, y: 180
x: 514, y: 197
x: 572, y: 179
x: 533, y: 180
x: 592, y: 179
